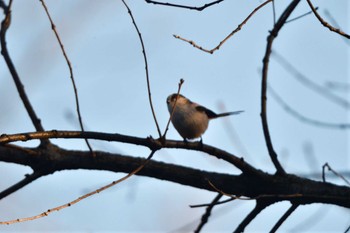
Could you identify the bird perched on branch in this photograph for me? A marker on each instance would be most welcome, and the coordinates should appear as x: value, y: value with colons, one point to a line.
x: 191, y: 119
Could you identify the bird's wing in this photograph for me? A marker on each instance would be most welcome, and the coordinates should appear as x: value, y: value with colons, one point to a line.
x: 209, y: 112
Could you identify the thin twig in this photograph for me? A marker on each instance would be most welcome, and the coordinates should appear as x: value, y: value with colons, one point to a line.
x: 326, y: 165
x: 274, y: 12
x: 53, y: 27
x: 321, y: 90
x: 325, y: 24
x: 172, y: 112
x: 302, y: 118
x: 146, y: 67
x: 207, y: 213
x: 300, y: 16
x: 200, y: 8
x: 335, y: 23
x: 273, y: 34
x: 20, y: 87
x: 69, y: 204
x: 284, y: 217
x: 211, y: 51
x: 217, y: 203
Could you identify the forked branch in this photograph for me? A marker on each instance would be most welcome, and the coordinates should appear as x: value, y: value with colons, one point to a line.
x: 211, y: 51
x: 198, y: 8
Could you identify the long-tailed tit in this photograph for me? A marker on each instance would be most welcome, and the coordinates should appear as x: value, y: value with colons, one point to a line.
x: 191, y: 119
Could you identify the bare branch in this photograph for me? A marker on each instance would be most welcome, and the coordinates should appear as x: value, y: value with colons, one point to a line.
x: 53, y: 27
x: 69, y: 204
x: 200, y: 8
x: 324, y: 23
x: 5, y: 24
x: 207, y: 213
x: 273, y: 34
x: 284, y: 217
x: 260, y: 186
x: 326, y: 165
x: 146, y: 68
x: 211, y: 51
x: 217, y: 203
x: 334, y: 22
x: 300, y: 16
x: 147, y: 142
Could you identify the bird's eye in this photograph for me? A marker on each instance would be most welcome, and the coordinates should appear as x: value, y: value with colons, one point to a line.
x: 173, y: 98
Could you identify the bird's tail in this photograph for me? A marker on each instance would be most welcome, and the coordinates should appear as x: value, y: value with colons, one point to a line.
x: 228, y: 114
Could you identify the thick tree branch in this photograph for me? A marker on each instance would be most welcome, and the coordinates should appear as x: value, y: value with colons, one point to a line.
x: 261, y: 185
x: 149, y: 142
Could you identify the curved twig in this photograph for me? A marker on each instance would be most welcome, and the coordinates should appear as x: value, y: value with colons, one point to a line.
x: 53, y: 27
x: 211, y: 51
x: 146, y: 68
x: 335, y: 23
x: 198, y: 8
x: 337, y: 174
x: 273, y: 34
x: 69, y: 204
x: 324, y: 23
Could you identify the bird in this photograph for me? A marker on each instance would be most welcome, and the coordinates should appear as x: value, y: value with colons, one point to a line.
x: 190, y: 119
